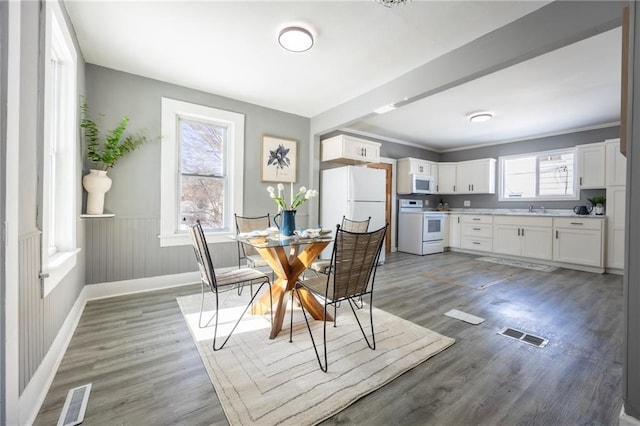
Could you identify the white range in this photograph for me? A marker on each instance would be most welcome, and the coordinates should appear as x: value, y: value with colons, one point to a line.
x: 420, y: 231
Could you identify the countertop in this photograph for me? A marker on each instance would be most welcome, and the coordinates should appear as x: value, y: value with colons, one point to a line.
x: 523, y: 212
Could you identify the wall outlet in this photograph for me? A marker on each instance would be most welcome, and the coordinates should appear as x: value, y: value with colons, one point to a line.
x: 467, y: 203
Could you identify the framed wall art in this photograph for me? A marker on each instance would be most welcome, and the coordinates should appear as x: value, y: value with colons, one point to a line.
x: 279, y: 159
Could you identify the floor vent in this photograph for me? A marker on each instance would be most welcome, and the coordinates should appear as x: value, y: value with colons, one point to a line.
x: 75, y: 406
x: 524, y: 337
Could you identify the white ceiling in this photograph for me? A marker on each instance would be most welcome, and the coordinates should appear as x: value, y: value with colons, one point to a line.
x: 229, y: 48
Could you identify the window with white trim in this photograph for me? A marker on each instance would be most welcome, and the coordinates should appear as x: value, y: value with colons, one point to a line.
x: 59, y: 174
x: 201, y: 171
x: 549, y: 175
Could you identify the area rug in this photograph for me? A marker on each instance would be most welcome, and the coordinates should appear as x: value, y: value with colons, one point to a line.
x: 268, y: 382
x: 518, y: 264
x: 472, y: 274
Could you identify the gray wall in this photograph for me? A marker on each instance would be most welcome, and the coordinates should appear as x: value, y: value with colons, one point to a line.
x: 4, y: 22
x: 631, y: 345
x: 521, y: 147
x: 127, y: 246
x: 40, y: 318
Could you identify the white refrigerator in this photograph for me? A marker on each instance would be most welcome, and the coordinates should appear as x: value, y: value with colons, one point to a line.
x: 354, y: 192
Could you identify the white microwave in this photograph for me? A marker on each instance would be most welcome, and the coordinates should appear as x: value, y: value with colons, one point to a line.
x: 422, y: 184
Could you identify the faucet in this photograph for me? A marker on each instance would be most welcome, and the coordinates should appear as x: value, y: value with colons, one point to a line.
x: 531, y: 208
x: 543, y: 210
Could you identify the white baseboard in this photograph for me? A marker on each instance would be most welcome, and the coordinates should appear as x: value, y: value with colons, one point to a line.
x: 627, y: 420
x: 140, y: 285
x: 36, y: 391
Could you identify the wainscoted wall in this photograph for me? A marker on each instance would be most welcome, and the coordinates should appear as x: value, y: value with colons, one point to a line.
x: 41, y: 319
x: 122, y: 248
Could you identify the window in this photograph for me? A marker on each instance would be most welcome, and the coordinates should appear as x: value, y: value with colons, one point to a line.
x: 59, y: 172
x: 202, y: 171
x: 539, y: 176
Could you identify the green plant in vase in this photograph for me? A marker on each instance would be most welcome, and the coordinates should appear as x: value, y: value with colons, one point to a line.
x: 598, y: 203
x: 104, y: 154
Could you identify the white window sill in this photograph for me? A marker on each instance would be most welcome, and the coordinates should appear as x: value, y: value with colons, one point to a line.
x: 60, y: 264
x: 170, y: 240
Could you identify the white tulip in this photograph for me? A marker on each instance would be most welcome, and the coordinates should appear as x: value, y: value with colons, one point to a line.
x: 303, y: 189
x: 280, y: 187
x: 270, y: 190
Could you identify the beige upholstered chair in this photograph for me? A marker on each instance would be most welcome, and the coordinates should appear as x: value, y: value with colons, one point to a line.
x: 221, y: 283
x: 350, y: 276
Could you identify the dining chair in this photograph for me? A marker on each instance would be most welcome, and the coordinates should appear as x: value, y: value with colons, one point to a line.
x: 321, y: 265
x: 222, y: 283
x: 351, y: 275
x: 246, y: 251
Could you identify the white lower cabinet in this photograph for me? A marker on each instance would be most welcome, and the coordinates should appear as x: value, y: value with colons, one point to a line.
x: 476, y: 232
x: 523, y: 236
x: 454, y: 231
x: 615, y: 226
x: 578, y: 241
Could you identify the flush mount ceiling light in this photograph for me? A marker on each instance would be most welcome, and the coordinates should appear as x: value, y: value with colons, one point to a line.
x: 384, y: 109
x: 295, y: 39
x: 480, y: 117
x: 389, y: 3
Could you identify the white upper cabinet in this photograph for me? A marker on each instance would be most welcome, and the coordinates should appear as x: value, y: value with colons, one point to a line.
x: 591, y: 165
x: 408, y: 166
x: 447, y: 178
x: 476, y: 177
x: 350, y: 150
x: 615, y: 163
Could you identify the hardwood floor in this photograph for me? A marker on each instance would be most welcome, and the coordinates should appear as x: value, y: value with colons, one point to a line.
x: 139, y: 355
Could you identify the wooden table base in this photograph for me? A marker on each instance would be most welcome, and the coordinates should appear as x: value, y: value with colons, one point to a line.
x: 288, y: 268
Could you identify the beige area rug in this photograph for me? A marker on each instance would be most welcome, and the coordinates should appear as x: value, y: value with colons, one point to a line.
x: 474, y: 274
x: 274, y: 382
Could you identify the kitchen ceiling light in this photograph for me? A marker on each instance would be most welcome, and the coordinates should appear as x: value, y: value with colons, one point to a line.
x: 480, y: 117
x: 389, y: 3
x: 295, y: 39
x: 384, y: 109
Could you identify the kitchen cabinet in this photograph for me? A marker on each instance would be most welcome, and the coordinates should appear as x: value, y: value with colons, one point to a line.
x: 454, y: 231
x: 616, y: 199
x: 350, y: 150
x: 476, y: 177
x: 591, y: 165
x: 447, y: 178
x: 476, y: 232
x: 415, y: 165
x: 408, y: 166
x: 523, y: 236
x: 578, y: 241
x: 615, y: 163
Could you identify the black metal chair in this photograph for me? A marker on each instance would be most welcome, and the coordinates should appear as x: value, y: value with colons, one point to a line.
x: 321, y: 265
x: 223, y: 282
x: 351, y: 275
x: 245, y: 251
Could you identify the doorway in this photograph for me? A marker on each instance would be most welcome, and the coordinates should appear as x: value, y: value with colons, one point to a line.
x: 388, y: 168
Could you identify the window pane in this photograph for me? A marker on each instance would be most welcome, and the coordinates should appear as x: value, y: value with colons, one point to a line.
x: 520, y: 177
x: 202, y: 147
x: 556, y: 175
x: 202, y: 199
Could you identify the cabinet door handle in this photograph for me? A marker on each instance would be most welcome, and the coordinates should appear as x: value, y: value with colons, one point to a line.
x: 476, y: 218
x: 523, y: 232
x: 454, y: 188
x: 556, y: 234
x: 458, y: 219
x: 518, y: 232
x: 577, y: 223
x: 477, y: 229
x: 475, y: 242
x: 580, y: 180
x: 437, y: 188
x: 472, y: 188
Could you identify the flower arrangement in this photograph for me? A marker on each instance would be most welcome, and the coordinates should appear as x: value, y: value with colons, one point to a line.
x: 300, y: 197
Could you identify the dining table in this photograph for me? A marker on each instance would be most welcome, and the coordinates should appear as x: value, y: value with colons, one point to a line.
x: 288, y: 256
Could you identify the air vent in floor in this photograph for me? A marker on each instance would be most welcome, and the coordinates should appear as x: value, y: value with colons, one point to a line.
x: 75, y: 406
x: 524, y: 337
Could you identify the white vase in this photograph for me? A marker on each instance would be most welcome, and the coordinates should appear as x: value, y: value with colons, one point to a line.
x: 96, y: 183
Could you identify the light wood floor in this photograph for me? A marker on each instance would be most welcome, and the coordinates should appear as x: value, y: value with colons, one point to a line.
x: 145, y: 369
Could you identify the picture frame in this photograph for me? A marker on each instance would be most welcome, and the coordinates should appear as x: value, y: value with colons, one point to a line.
x: 279, y: 159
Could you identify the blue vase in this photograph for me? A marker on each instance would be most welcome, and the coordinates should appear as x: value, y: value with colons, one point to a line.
x: 286, y: 223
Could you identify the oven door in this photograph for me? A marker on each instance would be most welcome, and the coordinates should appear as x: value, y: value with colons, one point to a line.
x: 432, y: 228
